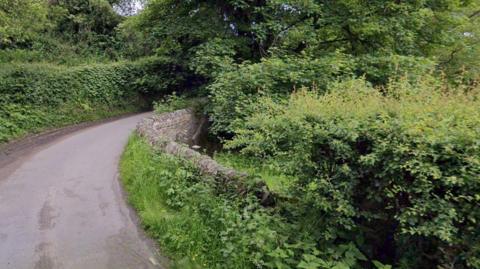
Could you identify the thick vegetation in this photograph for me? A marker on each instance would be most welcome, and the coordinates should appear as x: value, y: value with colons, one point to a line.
x: 59, y: 31
x: 194, y: 221
x: 38, y: 96
x: 386, y: 170
x: 57, y: 66
x: 361, y: 175
x: 237, y: 49
x: 361, y: 116
x: 376, y: 165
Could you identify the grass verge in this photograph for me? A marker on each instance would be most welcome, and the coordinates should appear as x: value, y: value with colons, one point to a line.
x: 20, y: 120
x: 201, y: 223
x: 195, y: 223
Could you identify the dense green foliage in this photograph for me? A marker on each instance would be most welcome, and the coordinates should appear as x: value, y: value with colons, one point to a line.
x: 173, y: 102
x: 397, y: 173
x: 233, y: 91
x: 56, y: 66
x: 276, y: 179
x: 377, y: 163
x: 237, y: 50
x: 35, y: 97
x: 364, y: 177
x: 21, y: 21
x: 180, y: 208
x: 381, y: 156
x: 256, y: 29
x: 203, y: 224
x: 59, y: 31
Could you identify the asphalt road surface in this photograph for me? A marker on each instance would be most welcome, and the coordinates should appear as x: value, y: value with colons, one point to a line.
x: 62, y: 206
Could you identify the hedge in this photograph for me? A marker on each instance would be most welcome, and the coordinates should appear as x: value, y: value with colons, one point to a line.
x: 38, y: 96
x: 396, y: 171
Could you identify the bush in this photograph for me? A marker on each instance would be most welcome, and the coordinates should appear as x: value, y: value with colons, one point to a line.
x: 38, y: 96
x: 378, y: 68
x: 195, y: 222
x: 232, y: 91
x: 21, y: 21
x: 163, y: 74
x: 395, y: 171
x: 202, y: 223
x: 50, y: 85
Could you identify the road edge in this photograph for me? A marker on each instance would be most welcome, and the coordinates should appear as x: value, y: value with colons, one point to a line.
x: 12, y: 151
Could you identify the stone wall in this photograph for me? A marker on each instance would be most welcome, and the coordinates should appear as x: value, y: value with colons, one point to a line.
x: 176, y: 132
x: 179, y: 126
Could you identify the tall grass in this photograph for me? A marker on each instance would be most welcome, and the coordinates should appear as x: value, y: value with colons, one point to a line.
x: 194, y: 224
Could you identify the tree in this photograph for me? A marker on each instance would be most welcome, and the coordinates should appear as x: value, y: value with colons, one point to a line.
x: 81, y: 18
x: 373, y: 30
x: 21, y: 22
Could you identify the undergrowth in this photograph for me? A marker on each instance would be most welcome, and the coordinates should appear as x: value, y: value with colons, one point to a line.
x: 276, y: 181
x: 200, y: 224
x: 194, y: 225
x: 20, y: 120
x: 39, y: 96
x: 174, y: 101
x: 360, y: 174
x: 387, y: 168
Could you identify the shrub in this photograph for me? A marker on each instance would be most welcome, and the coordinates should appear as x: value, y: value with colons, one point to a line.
x: 50, y: 85
x: 201, y: 223
x: 163, y: 74
x: 21, y: 21
x: 232, y: 91
x: 194, y: 222
x: 395, y: 171
x: 378, y: 68
x: 38, y: 96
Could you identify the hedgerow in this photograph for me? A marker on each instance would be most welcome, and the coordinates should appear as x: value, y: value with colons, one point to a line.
x: 395, y: 171
x: 38, y: 96
x: 232, y: 91
x: 201, y: 223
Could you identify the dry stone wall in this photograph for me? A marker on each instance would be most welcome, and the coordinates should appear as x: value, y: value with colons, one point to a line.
x: 174, y: 133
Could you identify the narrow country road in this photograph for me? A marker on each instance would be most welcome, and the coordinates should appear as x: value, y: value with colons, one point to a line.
x: 63, y: 207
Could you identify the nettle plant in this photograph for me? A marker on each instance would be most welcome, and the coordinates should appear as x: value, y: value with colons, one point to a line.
x: 395, y: 171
